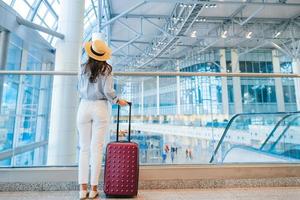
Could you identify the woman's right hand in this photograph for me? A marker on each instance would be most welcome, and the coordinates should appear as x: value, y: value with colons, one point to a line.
x: 122, y: 102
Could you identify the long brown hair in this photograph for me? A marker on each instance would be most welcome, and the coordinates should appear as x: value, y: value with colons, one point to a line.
x: 96, y: 68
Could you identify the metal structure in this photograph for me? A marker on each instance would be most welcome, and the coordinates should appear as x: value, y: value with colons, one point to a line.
x: 246, y: 26
x: 153, y: 34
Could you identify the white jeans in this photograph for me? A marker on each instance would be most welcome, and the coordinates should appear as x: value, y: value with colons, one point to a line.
x: 92, y: 123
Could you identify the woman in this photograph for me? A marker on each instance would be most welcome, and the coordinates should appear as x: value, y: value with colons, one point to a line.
x: 95, y: 87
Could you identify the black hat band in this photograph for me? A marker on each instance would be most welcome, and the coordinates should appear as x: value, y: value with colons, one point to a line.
x: 97, y: 54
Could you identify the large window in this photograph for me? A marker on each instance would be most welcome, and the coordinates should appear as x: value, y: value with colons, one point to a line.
x: 46, y: 13
x: 25, y: 105
x: 256, y: 62
x: 288, y: 84
x: 201, y: 95
x: 9, y: 97
x: 258, y: 94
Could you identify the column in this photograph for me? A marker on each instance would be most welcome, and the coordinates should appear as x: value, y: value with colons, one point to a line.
x: 157, y: 96
x: 296, y: 70
x: 178, y: 102
x: 63, y: 132
x: 142, y: 101
x: 236, y: 81
x: 224, y: 84
x: 4, y: 42
x: 278, y: 82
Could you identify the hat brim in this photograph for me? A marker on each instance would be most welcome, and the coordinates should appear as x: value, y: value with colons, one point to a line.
x: 106, y: 50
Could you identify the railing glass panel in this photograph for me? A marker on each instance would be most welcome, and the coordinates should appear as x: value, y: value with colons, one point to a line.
x: 176, y: 119
x: 263, y: 132
x: 287, y: 143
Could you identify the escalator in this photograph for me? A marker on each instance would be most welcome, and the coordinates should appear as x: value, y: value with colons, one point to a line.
x: 260, y: 138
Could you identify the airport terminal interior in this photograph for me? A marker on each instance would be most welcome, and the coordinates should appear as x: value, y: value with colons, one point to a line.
x: 214, y: 86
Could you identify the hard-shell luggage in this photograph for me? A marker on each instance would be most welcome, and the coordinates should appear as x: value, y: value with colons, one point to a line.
x: 121, y: 172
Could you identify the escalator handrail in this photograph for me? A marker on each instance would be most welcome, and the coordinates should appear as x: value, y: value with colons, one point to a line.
x: 283, y: 132
x: 273, y: 130
x: 231, y: 121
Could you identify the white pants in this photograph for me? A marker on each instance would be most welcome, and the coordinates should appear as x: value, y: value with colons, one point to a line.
x: 92, y: 123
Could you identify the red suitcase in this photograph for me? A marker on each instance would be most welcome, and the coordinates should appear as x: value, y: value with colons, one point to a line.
x: 121, y: 165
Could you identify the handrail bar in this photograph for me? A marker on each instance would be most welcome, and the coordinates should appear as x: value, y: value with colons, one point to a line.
x: 214, y: 74
x: 231, y: 121
x: 22, y: 149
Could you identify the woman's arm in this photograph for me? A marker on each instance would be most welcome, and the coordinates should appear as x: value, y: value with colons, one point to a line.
x: 109, y: 91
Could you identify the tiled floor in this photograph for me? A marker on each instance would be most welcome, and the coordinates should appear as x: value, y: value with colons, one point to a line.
x: 289, y: 193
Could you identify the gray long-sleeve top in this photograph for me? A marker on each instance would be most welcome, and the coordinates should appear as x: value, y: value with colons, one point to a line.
x: 102, y: 89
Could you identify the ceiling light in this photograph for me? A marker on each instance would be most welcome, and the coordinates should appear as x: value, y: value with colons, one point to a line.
x: 249, y: 35
x: 210, y: 5
x: 183, y: 5
x: 193, y: 34
x: 161, y: 43
x: 200, y: 20
x: 277, y: 34
x: 224, y: 34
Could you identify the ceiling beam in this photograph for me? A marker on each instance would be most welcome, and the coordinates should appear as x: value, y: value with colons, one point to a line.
x: 159, y: 28
x: 126, y: 44
x: 193, y: 13
x: 135, y: 16
x: 207, y: 18
x: 123, y: 13
x: 37, y: 27
x: 94, y: 8
x: 230, y: 2
x: 135, y: 56
x: 148, y: 43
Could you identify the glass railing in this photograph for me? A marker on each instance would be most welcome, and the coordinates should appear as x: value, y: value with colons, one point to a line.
x: 286, y: 143
x: 176, y: 118
x: 278, y: 130
x: 263, y: 131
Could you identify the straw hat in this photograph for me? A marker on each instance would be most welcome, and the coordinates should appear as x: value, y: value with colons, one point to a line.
x: 97, y: 49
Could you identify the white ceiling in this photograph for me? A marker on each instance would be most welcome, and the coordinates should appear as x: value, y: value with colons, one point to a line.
x: 274, y: 15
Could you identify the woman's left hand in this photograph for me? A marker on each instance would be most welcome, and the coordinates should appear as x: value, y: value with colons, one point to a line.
x: 122, y: 102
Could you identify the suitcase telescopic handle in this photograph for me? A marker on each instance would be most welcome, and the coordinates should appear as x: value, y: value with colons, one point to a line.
x: 129, y: 123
